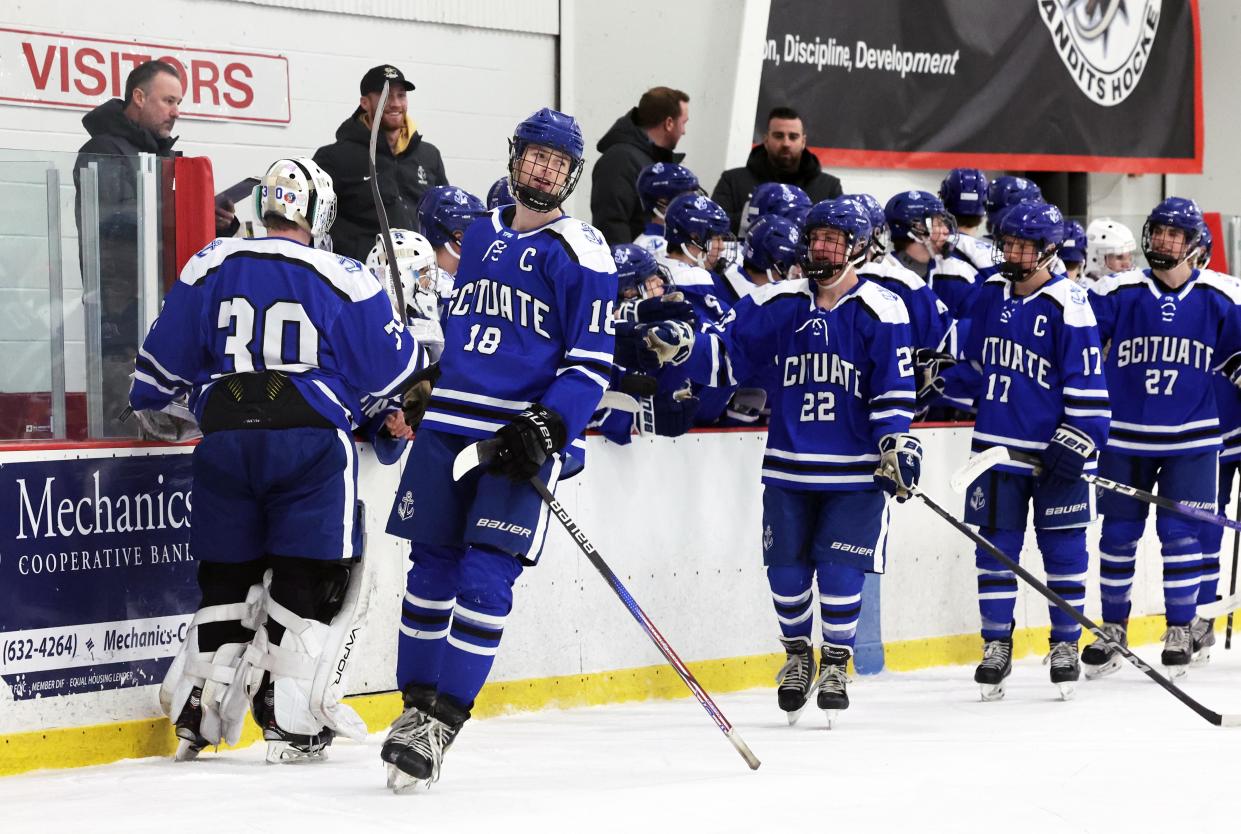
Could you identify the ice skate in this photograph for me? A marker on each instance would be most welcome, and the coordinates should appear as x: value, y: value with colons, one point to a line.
x: 1065, y: 670
x: 1178, y: 650
x: 1202, y: 632
x: 190, y: 742
x: 416, y: 743
x: 1100, y: 659
x: 796, y: 676
x: 833, y: 683
x: 996, y: 666
x: 284, y: 747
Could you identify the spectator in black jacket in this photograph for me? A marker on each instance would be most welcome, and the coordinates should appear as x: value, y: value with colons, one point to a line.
x: 645, y: 135
x: 405, y: 164
x: 782, y: 158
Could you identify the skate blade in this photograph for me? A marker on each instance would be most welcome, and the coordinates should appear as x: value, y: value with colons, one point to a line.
x: 1102, y: 670
x: 830, y: 715
x: 795, y: 714
x: 1175, y: 672
x: 991, y: 691
x: 1067, y: 690
x: 400, y: 782
x: 1201, y: 657
x: 281, y: 752
x: 186, y: 751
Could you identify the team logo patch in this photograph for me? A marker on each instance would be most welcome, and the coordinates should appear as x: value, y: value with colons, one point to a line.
x: 1167, y: 308
x: 977, y: 499
x: 405, y: 509
x: 769, y: 538
x: 1104, y: 44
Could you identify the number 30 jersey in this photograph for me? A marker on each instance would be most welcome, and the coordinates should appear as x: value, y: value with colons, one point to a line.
x: 1166, y: 346
x: 273, y: 304
x: 845, y: 378
x: 1041, y: 363
x: 530, y: 320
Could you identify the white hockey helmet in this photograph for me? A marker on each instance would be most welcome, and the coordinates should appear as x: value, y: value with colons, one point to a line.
x: 299, y: 191
x: 1106, y: 237
x: 414, y: 255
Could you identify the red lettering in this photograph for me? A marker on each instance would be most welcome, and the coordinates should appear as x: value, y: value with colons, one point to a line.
x: 38, y: 75
x: 115, y: 59
x: 91, y: 72
x: 206, y: 74
x: 246, y: 98
x: 180, y: 68
x: 64, y: 69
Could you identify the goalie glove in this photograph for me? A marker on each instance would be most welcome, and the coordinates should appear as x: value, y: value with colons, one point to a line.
x: 1065, y: 457
x: 527, y: 440
x: 900, y: 464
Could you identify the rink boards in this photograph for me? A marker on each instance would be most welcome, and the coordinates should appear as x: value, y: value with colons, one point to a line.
x: 96, y: 580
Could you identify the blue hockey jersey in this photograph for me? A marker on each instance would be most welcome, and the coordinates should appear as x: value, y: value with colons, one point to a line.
x: 275, y: 304
x: 929, y: 319
x: 530, y: 320
x: 846, y: 378
x: 1041, y: 363
x: 1166, y: 346
x: 955, y: 281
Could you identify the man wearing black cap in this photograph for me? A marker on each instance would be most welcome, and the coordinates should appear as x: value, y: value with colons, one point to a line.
x: 405, y: 164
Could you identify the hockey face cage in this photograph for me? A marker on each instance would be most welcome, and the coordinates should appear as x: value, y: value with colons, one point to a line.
x: 543, y: 163
x: 845, y: 250
x: 1173, y: 214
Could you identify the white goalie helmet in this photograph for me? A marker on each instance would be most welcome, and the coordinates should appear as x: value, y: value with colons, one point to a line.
x: 415, y: 257
x: 299, y: 191
x: 1106, y: 237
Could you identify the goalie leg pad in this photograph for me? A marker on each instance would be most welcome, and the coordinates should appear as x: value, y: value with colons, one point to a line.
x: 307, y: 653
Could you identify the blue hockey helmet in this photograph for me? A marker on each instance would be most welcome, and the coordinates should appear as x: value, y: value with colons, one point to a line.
x: 635, y: 266
x: 662, y: 183
x: 1176, y: 213
x: 556, y: 131
x: 880, y: 236
x: 695, y: 219
x: 911, y: 216
x: 1072, y: 249
x: 964, y: 192
x: 845, y: 215
x: 1005, y: 191
x: 1040, y: 223
x: 445, y: 212
x: 773, y: 243
x: 772, y: 198
x: 1206, y: 243
x: 499, y: 194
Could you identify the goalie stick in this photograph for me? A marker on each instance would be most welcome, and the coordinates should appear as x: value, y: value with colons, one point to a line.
x: 1213, y: 717
x: 996, y: 455
x: 483, y: 452
x: 395, y: 292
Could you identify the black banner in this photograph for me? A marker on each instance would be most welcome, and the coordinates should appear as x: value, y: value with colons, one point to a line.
x: 1055, y: 85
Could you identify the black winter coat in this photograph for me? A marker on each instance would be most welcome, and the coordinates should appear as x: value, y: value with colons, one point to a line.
x: 402, y: 181
x: 737, y: 184
x: 614, y: 206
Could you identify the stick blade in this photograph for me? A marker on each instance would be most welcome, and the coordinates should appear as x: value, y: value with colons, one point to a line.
x: 619, y: 401
x: 1220, y: 607
x: 472, y: 457
x: 975, y: 466
x: 1230, y: 720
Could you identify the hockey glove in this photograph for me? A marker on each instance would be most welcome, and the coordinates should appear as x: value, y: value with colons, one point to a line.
x: 670, y: 307
x: 665, y: 343
x: 417, y: 397
x: 928, y: 394
x: 900, y: 464
x: 674, y: 415
x: 526, y: 442
x: 1065, y: 457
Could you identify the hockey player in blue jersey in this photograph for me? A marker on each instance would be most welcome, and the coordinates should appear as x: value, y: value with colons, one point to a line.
x: 273, y: 341
x: 658, y: 185
x: 1005, y: 192
x: 499, y: 194
x: 444, y: 213
x: 1072, y: 252
x: 778, y: 198
x: 528, y: 353
x: 964, y: 194
x: 1034, y: 339
x: 1171, y: 327
x: 838, y: 438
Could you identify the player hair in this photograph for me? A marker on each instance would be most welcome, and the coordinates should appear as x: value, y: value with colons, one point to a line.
x: 659, y: 103
x: 276, y: 223
x: 140, y: 77
x: 783, y: 112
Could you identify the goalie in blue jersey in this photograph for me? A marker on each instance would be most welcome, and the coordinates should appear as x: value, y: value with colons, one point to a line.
x: 838, y: 438
x: 528, y: 352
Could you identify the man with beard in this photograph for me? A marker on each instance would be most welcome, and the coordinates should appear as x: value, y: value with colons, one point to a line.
x: 782, y: 158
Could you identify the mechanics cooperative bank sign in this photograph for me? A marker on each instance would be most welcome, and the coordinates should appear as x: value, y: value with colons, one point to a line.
x: 53, y: 69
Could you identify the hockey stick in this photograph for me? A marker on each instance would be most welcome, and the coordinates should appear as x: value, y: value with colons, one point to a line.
x: 394, y: 275
x: 1055, y: 599
x: 1232, y: 584
x: 1000, y: 454
x: 1220, y: 607
x: 483, y: 452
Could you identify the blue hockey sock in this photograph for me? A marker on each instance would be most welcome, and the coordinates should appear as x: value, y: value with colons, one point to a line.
x: 997, y: 585
x: 1118, y: 551
x: 1065, y: 560
x: 484, y: 600
x: 1182, y: 566
x: 430, y: 588
x: 793, y: 595
x: 840, y: 604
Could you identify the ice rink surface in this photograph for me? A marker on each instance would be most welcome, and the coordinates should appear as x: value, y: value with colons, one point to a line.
x: 917, y: 752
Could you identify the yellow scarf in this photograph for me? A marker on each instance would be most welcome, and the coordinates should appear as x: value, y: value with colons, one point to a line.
x: 403, y: 138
